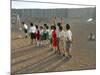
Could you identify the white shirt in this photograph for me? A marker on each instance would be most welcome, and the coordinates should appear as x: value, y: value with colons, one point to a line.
x: 41, y: 32
x: 32, y: 29
x: 50, y: 33
x: 68, y: 35
x: 47, y: 30
x: 25, y: 26
x: 62, y: 34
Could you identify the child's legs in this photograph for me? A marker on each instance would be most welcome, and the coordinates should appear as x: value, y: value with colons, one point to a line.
x: 61, y: 47
x: 38, y: 42
x: 68, y: 49
x: 50, y: 39
x: 58, y: 45
x: 31, y: 41
x: 55, y: 48
x: 31, y: 35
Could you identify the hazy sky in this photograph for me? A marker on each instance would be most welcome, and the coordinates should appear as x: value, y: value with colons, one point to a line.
x: 19, y: 5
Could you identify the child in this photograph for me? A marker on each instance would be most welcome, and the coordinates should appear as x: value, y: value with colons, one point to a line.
x: 25, y: 29
x: 37, y: 36
x: 50, y: 36
x: 57, y: 31
x: 61, y: 40
x: 44, y: 32
x: 68, y: 40
x: 32, y: 32
x: 41, y: 35
x: 54, y: 39
x: 47, y: 34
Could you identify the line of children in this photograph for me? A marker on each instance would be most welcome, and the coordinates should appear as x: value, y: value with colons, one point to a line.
x: 58, y: 39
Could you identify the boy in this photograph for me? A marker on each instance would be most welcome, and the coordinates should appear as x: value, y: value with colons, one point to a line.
x: 68, y: 34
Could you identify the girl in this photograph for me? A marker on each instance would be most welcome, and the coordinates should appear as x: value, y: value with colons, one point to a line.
x: 61, y: 40
x: 41, y: 35
x: 50, y: 37
x: 54, y: 39
x: 37, y: 36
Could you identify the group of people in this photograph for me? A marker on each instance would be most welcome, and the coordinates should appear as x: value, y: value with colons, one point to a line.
x: 59, y: 40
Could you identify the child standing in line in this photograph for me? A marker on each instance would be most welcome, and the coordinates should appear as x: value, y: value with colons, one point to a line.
x: 50, y: 37
x: 47, y: 34
x: 37, y: 36
x: 32, y: 32
x: 57, y: 31
x: 68, y: 40
x: 41, y: 35
x: 61, y: 40
x: 54, y: 39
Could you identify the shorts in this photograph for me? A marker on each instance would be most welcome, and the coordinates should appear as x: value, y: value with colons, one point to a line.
x: 68, y: 46
x: 50, y: 39
x: 25, y: 30
x: 33, y: 36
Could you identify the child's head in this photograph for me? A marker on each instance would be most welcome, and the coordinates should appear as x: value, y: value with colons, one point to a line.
x: 31, y: 24
x: 47, y: 27
x: 60, y: 28
x: 67, y: 26
x: 41, y: 27
x: 54, y: 27
x: 58, y: 24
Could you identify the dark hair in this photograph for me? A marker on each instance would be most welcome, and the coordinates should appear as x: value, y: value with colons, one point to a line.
x: 54, y: 27
x: 59, y: 24
x: 31, y: 24
x: 41, y: 27
x: 67, y: 26
x: 36, y: 26
x: 23, y: 23
x: 51, y: 27
x: 47, y: 27
x: 60, y: 28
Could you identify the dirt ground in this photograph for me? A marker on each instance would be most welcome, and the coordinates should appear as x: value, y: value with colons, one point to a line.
x: 26, y: 58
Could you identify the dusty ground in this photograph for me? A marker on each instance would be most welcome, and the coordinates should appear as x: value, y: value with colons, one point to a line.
x: 28, y: 58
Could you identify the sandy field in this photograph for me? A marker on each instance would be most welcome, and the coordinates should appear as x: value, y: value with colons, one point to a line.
x: 26, y: 58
